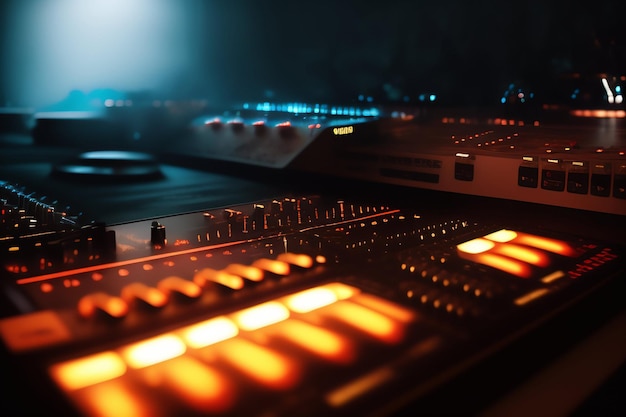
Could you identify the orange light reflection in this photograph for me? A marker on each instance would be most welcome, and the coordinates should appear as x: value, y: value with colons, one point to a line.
x: 319, y: 341
x: 89, y: 370
x: 522, y: 253
x: 388, y: 308
x: 365, y: 320
x: 199, y: 386
x: 263, y: 365
x: 505, y: 264
x: 551, y: 245
x: 114, y: 399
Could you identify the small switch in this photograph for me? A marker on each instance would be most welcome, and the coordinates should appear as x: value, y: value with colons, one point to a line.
x: 578, y: 182
x: 463, y: 171
x: 157, y: 233
x: 528, y: 176
x: 553, y: 179
x: 601, y: 185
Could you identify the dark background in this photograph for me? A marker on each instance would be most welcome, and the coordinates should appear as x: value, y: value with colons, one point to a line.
x: 465, y: 52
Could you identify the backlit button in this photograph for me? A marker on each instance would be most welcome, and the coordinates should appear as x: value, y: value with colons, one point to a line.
x: 300, y: 260
x: 273, y: 266
x: 248, y: 272
x: 34, y: 330
x: 148, y: 295
x: 180, y: 286
x: 92, y: 304
x: 209, y: 275
x: 197, y: 385
x: 263, y: 365
x: 89, y: 370
x: 368, y: 321
x: 317, y: 340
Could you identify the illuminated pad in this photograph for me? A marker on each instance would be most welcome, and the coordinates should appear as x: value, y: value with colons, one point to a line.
x: 201, y: 364
x: 516, y: 253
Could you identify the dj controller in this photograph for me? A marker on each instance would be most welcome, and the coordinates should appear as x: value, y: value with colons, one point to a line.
x: 210, y: 277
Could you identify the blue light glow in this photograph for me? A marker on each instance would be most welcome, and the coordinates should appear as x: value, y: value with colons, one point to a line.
x: 127, y: 45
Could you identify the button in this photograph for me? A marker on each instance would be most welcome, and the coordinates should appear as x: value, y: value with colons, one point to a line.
x: 141, y: 292
x: 34, y: 330
x: 100, y: 302
x: 528, y: 176
x: 299, y: 260
x: 248, y: 272
x: 601, y: 185
x: 182, y: 287
x: 553, y: 179
x: 578, y: 182
x: 222, y: 278
x: 275, y: 267
x: 463, y: 172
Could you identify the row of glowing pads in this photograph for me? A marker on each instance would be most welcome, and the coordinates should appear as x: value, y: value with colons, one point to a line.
x: 239, y: 339
x: 233, y: 278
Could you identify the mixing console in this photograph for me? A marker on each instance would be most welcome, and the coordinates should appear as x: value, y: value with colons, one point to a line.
x: 298, y: 305
x: 563, y: 163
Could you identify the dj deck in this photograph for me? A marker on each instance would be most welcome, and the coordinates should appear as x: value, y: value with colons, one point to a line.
x: 192, y: 275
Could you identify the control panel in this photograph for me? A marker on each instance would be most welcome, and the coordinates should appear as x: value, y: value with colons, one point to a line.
x: 296, y: 305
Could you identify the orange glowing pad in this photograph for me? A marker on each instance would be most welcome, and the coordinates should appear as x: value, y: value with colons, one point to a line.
x: 301, y: 260
x: 513, y: 252
x: 152, y: 351
x: 219, y: 277
x: 115, y: 399
x: 261, y: 315
x: 245, y: 271
x: 273, y: 266
x: 551, y: 245
x: 197, y: 385
x: 319, y: 341
x: 388, y: 308
x: 368, y: 321
x: 90, y: 370
x: 264, y: 365
x: 310, y: 300
x: 209, y: 332
x: 149, y: 295
x: 90, y: 304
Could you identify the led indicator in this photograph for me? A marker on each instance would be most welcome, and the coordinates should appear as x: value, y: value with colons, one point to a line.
x: 344, y: 130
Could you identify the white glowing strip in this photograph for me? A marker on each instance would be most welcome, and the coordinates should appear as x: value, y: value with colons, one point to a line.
x: 609, y: 93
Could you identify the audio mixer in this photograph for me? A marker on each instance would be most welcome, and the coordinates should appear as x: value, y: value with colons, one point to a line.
x: 551, y: 160
x: 299, y: 304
